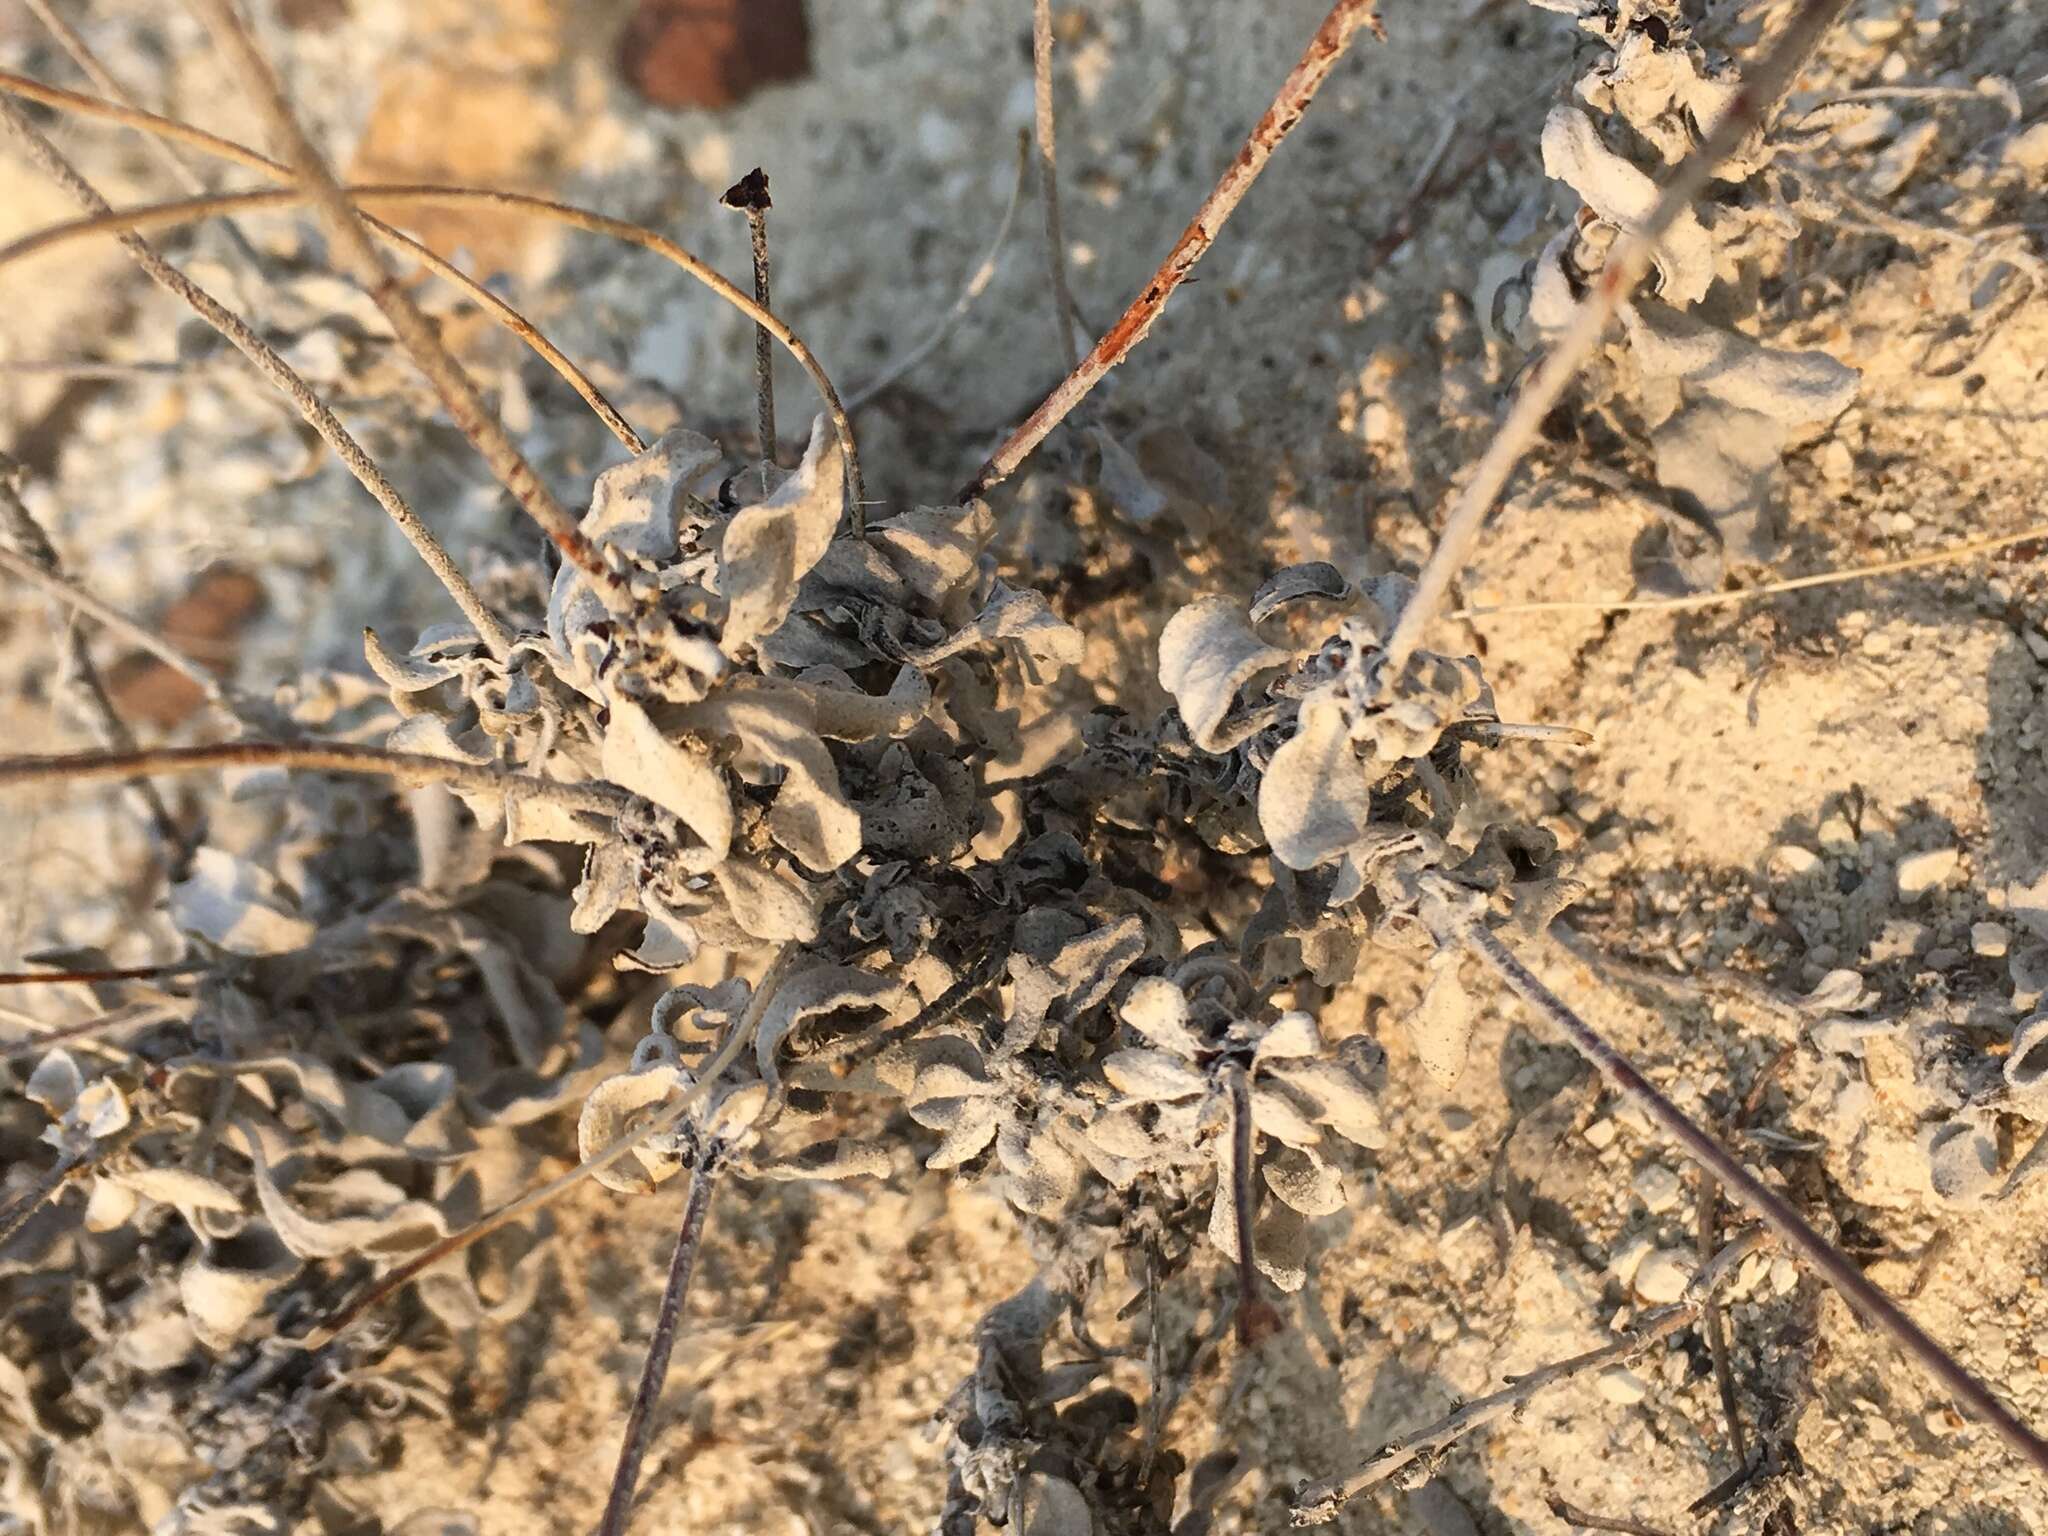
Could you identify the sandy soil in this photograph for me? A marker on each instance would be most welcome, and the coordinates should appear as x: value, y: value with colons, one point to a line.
x: 1760, y: 776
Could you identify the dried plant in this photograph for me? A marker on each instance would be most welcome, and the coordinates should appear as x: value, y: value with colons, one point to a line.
x: 837, y: 753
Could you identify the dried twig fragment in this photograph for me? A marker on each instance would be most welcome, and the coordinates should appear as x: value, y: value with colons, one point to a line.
x: 1319, y: 1503
x: 1329, y: 44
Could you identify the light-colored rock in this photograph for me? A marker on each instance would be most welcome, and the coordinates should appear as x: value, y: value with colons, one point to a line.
x: 1789, y: 861
x: 1628, y: 1258
x: 1662, y: 1277
x: 1991, y: 940
x: 1619, y: 1385
x: 1658, y: 1188
x: 1920, y: 873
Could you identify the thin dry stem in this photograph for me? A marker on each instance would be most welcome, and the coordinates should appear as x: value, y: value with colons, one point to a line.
x: 1255, y: 1316
x: 1329, y: 44
x: 749, y: 195
x: 272, y: 367
x: 132, y: 1016
x: 1626, y: 264
x: 51, y: 584
x: 103, y: 80
x: 977, y: 283
x: 1459, y: 921
x: 656, y: 1125
x: 16, y: 1215
x: 158, y: 127
x: 359, y: 257
x: 184, y: 211
x: 1698, y: 600
x: 81, y: 54
x: 1049, y: 179
x: 618, y: 1508
x: 597, y: 799
x: 111, y: 973
x: 1571, y: 1514
x: 1317, y: 1503
x: 34, y: 559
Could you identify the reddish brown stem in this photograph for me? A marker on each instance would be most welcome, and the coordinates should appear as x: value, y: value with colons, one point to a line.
x: 1328, y: 45
x: 118, y: 973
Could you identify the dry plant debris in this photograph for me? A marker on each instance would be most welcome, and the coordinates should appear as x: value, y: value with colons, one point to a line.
x: 754, y: 834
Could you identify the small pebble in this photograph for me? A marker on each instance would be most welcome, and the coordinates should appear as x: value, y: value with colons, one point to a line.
x: 1991, y: 940
x: 1784, y: 1275
x: 2028, y: 151
x: 1661, y: 1278
x: 1837, y: 463
x: 1944, y: 959
x: 1920, y: 873
x: 1628, y: 1258
x: 1789, y: 861
x: 1600, y: 1134
x: 1962, y: 1161
x: 1619, y: 1385
x: 1658, y: 1188
x: 1456, y: 1120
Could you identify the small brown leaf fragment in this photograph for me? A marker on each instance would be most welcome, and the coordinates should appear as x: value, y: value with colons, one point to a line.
x: 204, y: 624
x: 713, y: 53
x: 313, y: 15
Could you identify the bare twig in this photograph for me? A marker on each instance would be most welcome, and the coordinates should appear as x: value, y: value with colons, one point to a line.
x: 504, y: 314
x: 73, y: 596
x: 34, y: 559
x: 1626, y: 263
x: 313, y: 757
x: 749, y: 195
x: 1459, y: 921
x: 1049, y: 179
x: 114, y: 973
x: 1697, y: 600
x: 977, y: 283
x: 359, y: 257
x: 1317, y: 1503
x: 16, y: 1215
x: 102, y: 78
x: 1256, y: 1317
x: 134, y: 1015
x: 1328, y: 45
x: 184, y: 211
x: 1571, y: 1514
x: 272, y: 367
x: 618, y: 1507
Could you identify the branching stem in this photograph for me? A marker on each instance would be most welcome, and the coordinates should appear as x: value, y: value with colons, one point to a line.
x: 1318, y: 1503
x: 359, y: 257
x: 184, y: 211
x: 1329, y: 44
x: 272, y: 367
x: 161, y: 128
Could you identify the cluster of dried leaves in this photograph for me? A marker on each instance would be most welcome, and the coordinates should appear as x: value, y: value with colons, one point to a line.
x: 824, y: 779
